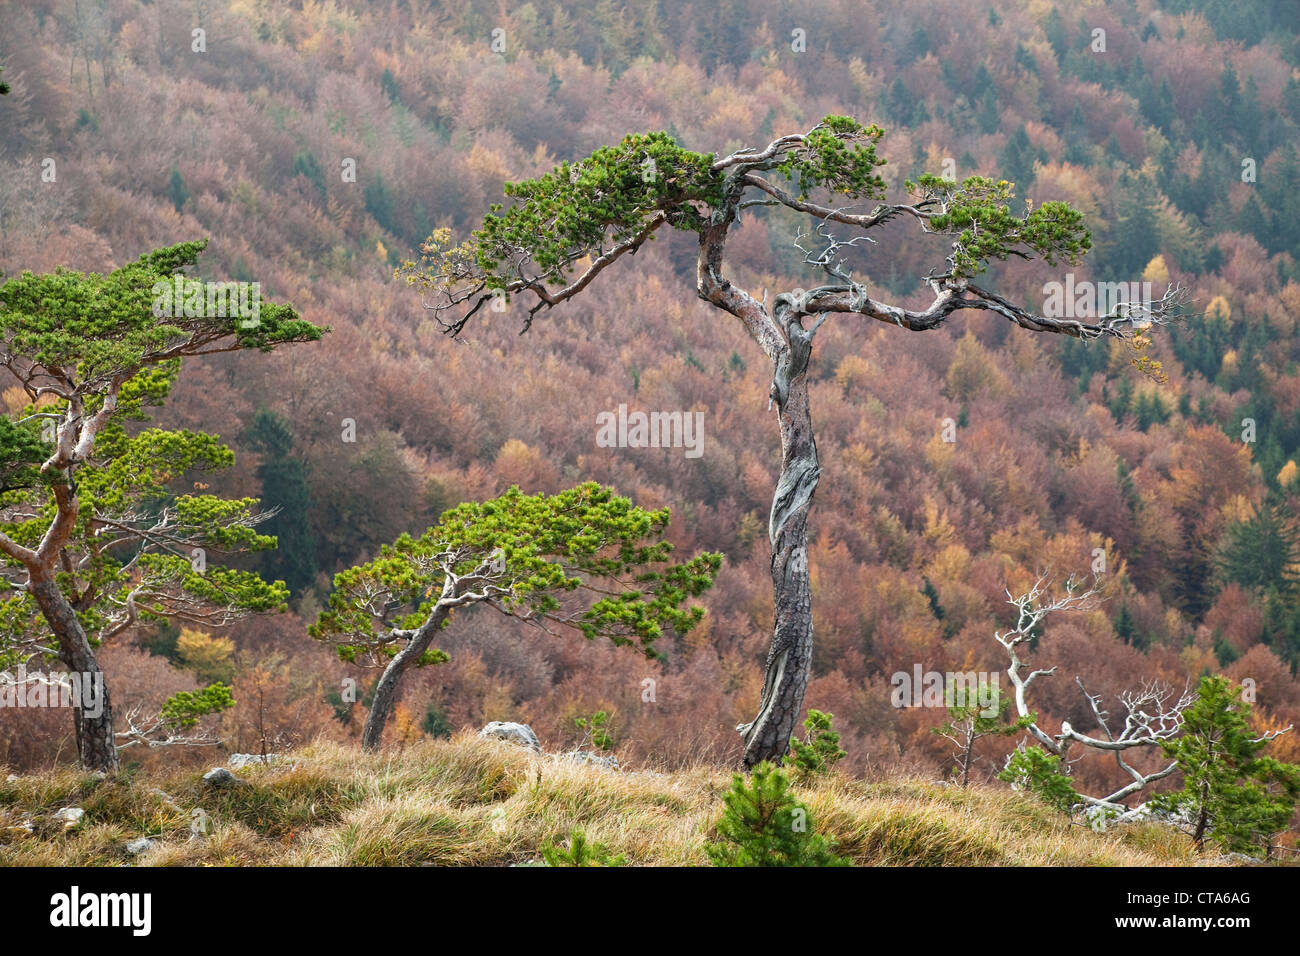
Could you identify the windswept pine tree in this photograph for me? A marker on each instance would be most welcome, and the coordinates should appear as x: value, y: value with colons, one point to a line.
x: 566, y: 228
x: 584, y: 559
x: 95, y: 536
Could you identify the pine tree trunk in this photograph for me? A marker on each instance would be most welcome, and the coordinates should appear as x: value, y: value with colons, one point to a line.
x: 96, y: 744
x: 1202, y: 819
x: 385, y: 699
x: 789, y: 657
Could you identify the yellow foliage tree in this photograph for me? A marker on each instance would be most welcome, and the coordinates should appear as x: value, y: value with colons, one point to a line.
x: 406, y: 729
x: 973, y: 370
x: 1156, y: 272
x: 208, y: 658
x: 1218, y: 308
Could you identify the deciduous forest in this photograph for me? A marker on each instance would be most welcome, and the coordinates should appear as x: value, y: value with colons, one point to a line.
x: 325, y: 148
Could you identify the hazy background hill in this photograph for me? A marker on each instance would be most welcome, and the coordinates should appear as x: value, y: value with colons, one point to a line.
x: 1061, y: 448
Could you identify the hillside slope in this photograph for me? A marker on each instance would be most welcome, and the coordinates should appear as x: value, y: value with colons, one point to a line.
x: 475, y: 802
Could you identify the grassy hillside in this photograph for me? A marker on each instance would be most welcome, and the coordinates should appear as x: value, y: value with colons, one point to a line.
x: 476, y: 802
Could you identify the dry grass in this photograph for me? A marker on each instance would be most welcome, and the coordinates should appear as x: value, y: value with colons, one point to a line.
x: 474, y: 802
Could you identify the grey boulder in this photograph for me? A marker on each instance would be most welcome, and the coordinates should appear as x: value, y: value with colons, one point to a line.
x: 520, y: 734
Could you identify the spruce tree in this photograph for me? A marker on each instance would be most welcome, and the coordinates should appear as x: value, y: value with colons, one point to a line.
x: 284, y: 488
x: 1260, y: 554
x: 176, y: 190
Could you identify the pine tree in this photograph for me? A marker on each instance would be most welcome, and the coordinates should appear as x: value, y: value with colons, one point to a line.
x: 581, y: 852
x: 106, y: 539
x: 521, y: 554
x: 764, y: 825
x: 970, y: 721
x: 820, y: 753
x: 1231, y: 792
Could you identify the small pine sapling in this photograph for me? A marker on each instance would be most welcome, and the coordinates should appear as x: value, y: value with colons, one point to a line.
x: 595, y: 732
x: 972, y: 721
x: 764, y: 825
x: 820, y: 752
x: 1231, y: 792
x: 1034, y: 770
x: 581, y: 852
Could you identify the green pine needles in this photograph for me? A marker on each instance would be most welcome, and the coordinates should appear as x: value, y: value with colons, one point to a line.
x: 978, y: 213
x: 581, y: 852
x: 522, y: 553
x: 1233, y: 794
x: 763, y: 824
x: 1035, y: 771
x: 94, y: 520
x: 585, y: 559
x: 820, y: 752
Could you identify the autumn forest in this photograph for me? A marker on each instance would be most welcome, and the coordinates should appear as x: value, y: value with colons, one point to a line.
x: 335, y: 151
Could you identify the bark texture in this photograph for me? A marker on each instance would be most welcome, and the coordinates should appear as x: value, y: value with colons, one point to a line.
x: 789, y: 658
x: 783, y: 338
x: 96, y: 744
x: 381, y: 706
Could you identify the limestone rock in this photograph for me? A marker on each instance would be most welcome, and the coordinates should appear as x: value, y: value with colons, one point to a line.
x: 239, y: 761
x: 608, y: 761
x: 221, y: 777
x: 70, y: 817
x: 520, y: 734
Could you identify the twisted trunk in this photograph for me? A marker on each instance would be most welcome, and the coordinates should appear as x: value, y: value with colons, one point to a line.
x: 782, y: 337
x: 789, y: 658
x: 96, y: 744
x: 385, y: 699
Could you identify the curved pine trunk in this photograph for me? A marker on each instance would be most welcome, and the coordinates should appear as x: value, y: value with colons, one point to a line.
x: 96, y: 744
x: 789, y: 658
x: 385, y: 698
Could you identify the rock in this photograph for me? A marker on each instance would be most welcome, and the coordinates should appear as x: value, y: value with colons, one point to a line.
x: 240, y: 761
x: 1144, y: 813
x: 70, y: 817
x: 163, y: 795
x: 221, y: 777
x: 24, y: 829
x: 520, y: 734
x: 142, y: 845
x: 11, y: 778
x: 609, y: 761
